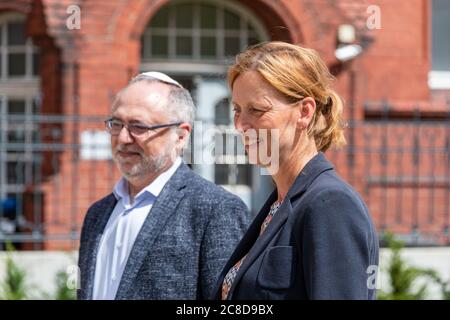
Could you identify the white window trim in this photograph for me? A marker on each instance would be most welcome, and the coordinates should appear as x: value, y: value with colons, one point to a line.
x: 26, y: 156
x: 28, y: 49
x: 439, y: 80
x: 20, y: 88
x: 25, y: 88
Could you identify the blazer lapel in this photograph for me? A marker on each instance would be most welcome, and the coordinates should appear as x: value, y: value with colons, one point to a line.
x: 94, y: 242
x: 245, y: 244
x: 309, y: 173
x: 264, y: 239
x: 164, y: 206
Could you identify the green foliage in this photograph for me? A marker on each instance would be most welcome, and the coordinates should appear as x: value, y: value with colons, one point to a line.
x: 445, y: 286
x: 446, y: 291
x: 402, y: 277
x: 63, y: 292
x: 13, y: 287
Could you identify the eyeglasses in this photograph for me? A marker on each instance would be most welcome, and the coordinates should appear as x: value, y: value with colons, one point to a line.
x: 114, y: 126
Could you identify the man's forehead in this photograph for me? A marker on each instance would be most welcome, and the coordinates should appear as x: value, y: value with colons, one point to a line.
x: 145, y: 88
x: 143, y: 93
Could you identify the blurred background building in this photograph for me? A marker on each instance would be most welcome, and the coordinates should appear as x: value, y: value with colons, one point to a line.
x: 58, y: 79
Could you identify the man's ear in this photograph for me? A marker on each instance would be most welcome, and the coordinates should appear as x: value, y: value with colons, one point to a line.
x: 306, y: 110
x: 183, y: 131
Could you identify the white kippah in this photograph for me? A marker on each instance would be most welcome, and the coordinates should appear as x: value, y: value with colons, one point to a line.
x: 160, y: 76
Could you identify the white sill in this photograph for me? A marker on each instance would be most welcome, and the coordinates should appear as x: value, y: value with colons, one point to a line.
x: 439, y: 80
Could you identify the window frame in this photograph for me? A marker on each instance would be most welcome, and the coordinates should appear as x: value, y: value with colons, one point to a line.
x: 196, y: 63
x: 437, y: 79
x: 5, y: 49
x: 18, y: 87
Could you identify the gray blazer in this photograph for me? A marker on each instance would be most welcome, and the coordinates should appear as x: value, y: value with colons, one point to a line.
x: 185, y: 241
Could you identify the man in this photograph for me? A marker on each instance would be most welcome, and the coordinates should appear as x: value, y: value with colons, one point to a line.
x: 165, y: 232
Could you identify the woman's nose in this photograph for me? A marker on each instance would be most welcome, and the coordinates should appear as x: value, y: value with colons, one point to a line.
x: 242, y: 123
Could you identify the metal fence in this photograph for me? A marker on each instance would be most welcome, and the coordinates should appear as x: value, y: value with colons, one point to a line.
x: 402, y: 170
x: 48, y: 173
x: 53, y: 167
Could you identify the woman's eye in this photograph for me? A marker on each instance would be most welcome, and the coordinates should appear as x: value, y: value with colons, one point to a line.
x: 254, y: 110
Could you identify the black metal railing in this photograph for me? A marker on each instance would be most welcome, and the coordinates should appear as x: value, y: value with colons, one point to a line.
x: 53, y: 167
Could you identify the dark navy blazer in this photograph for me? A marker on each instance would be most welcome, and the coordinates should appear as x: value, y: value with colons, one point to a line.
x: 320, y: 244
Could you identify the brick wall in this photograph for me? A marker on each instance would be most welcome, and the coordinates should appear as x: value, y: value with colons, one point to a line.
x: 81, y: 70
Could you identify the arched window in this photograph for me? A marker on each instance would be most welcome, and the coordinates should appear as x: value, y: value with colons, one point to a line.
x: 194, y: 42
x: 199, y: 32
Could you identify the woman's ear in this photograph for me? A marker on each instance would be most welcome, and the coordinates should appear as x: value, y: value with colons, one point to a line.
x: 307, y: 108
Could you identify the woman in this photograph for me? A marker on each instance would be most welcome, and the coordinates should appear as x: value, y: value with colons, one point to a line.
x: 313, y: 238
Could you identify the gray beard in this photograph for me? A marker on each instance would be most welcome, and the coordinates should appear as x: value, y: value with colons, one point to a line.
x: 148, y: 165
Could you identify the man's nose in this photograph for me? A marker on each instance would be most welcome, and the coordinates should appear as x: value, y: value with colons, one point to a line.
x: 125, y: 136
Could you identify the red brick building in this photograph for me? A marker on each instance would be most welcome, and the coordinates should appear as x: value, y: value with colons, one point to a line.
x: 63, y: 61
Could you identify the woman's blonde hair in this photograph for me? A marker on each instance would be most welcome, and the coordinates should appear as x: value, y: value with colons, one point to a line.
x: 297, y: 73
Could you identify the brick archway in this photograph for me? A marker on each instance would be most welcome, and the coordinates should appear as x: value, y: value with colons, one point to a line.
x: 22, y: 6
x: 276, y: 17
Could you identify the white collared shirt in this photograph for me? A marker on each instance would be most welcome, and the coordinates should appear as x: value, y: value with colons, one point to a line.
x: 121, y: 231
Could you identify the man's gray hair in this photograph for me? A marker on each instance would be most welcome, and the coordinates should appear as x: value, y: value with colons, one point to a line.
x: 179, y: 101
